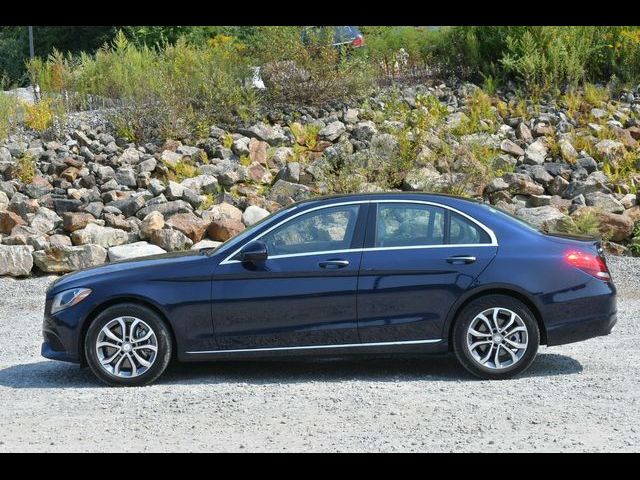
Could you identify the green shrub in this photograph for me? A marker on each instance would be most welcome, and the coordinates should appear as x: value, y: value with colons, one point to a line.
x: 175, y: 88
x: 10, y: 111
x: 584, y: 224
x: 299, y: 74
x: 634, y: 245
x: 26, y: 168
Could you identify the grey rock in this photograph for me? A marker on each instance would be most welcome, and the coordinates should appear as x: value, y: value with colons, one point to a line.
x: 332, y: 131
x: 166, y: 209
x: 170, y: 240
x: 133, y: 250
x: 272, y: 135
x: 605, y: 202
x: 98, y: 235
x: 68, y: 259
x: 253, y: 214
x: 282, y: 191
x: 536, y: 153
x: 16, y: 260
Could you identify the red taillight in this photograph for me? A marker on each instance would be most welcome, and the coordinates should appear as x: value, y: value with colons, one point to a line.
x: 358, y: 41
x: 589, y: 263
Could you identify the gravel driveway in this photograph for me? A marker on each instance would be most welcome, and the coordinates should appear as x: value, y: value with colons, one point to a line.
x: 581, y: 397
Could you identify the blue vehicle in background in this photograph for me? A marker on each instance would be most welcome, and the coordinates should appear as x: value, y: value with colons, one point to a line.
x: 358, y: 274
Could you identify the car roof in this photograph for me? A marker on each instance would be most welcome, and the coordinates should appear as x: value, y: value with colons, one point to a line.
x: 443, y: 198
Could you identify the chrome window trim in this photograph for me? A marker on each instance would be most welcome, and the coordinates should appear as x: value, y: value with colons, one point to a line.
x: 319, y: 347
x: 492, y: 236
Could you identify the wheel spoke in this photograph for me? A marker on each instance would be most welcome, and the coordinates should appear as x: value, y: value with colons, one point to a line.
x: 517, y: 329
x: 476, y: 333
x: 517, y: 345
x: 134, y: 369
x: 111, y: 335
x: 123, y: 326
x: 485, y: 320
x: 141, y: 360
x: 485, y: 359
x: 107, y: 361
x: 496, y: 311
x: 108, y: 344
x: 477, y: 344
x: 510, y: 322
x: 146, y: 336
x: 116, y: 367
x: 132, y: 328
x: 514, y: 357
x: 153, y: 348
x: 496, y: 358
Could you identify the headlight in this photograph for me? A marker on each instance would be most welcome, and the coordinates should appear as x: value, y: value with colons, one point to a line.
x: 68, y: 298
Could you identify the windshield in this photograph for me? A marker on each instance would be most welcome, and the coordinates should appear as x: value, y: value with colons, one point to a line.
x: 238, y: 239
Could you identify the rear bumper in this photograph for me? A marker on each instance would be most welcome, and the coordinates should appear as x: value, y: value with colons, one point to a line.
x: 578, y: 330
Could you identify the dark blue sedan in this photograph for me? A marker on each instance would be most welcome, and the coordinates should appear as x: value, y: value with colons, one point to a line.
x: 361, y: 274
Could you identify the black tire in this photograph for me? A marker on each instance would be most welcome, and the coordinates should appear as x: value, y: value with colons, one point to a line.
x: 153, y: 320
x: 467, y: 315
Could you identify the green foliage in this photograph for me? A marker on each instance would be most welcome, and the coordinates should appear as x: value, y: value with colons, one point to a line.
x: 586, y: 223
x: 26, y: 168
x: 10, y: 109
x: 544, y: 59
x: 634, y: 245
x: 402, y: 52
x: 182, y: 170
x: 299, y: 73
x: 172, y: 91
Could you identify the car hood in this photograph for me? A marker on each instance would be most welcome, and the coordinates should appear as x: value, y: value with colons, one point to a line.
x: 74, y: 279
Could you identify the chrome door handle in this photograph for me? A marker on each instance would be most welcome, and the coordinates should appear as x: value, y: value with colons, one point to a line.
x: 461, y: 259
x: 333, y: 264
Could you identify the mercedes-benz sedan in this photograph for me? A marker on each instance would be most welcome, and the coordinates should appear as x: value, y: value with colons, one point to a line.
x: 361, y: 274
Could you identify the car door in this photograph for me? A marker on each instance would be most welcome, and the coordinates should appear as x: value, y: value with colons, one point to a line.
x: 304, y: 293
x: 418, y: 259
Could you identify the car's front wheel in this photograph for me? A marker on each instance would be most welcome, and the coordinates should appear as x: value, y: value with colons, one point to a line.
x: 496, y: 337
x: 128, y: 345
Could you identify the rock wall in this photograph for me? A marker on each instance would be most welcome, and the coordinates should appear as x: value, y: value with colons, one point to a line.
x: 95, y: 197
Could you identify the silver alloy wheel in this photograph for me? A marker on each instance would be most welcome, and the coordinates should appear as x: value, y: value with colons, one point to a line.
x: 126, y: 347
x: 497, y: 338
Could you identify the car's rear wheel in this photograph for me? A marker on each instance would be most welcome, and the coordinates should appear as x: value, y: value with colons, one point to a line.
x: 128, y: 345
x: 496, y: 337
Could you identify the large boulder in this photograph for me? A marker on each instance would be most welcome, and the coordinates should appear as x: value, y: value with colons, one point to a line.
x: 171, y: 240
x: 16, y: 260
x: 98, y: 235
x: 287, y: 192
x: 72, y: 221
x: 604, y: 201
x: 133, y: 250
x: 153, y: 221
x: 536, y: 152
x: 274, y: 136
x: 69, y: 259
x: 547, y: 217
x: 253, y: 214
x: 225, y: 228
x: 423, y: 179
x: 45, y: 220
x: 167, y: 209
x: 8, y: 220
x: 221, y: 211
x: 612, y: 225
x: 189, y: 224
x: 332, y: 131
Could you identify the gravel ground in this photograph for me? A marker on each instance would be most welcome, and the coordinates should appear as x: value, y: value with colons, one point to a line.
x: 582, y: 397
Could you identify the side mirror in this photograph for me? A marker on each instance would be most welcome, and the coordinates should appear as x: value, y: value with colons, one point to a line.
x: 254, y: 252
